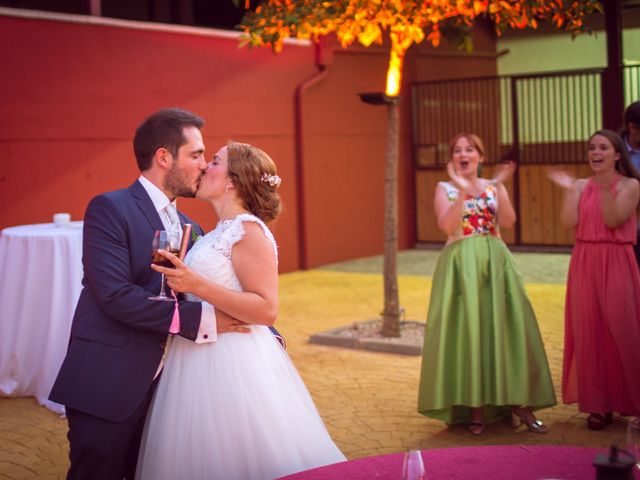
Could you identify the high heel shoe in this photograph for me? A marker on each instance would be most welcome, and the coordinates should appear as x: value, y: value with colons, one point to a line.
x: 476, y: 428
x: 476, y: 423
x: 520, y: 415
x: 598, y: 421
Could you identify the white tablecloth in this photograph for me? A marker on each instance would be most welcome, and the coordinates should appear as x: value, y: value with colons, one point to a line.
x: 40, y: 282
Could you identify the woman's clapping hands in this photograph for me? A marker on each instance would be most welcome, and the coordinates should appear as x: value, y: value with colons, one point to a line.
x: 504, y: 172
x: 561, y: 178
x: 461, y: 183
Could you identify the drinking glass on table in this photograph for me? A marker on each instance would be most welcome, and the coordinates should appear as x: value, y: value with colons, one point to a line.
x: 633, y: 439
x: 169, y: 241
x: 413, y: 466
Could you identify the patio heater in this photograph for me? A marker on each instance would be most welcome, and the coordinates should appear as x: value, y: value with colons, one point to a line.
x: 391, y: 311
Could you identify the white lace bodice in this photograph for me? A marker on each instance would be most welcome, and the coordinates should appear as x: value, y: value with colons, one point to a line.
x: 211, y: 254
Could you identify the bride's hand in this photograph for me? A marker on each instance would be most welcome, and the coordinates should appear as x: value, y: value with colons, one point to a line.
x: 561, y: 178
x: 181, y: 278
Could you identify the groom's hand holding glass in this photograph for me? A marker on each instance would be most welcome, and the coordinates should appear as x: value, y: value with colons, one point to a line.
x: 181, y: 279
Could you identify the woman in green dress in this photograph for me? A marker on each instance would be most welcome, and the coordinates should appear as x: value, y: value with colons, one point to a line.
x: 483, y: 357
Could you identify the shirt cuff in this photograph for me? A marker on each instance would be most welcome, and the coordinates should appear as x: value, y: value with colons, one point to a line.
x: 207, y: 332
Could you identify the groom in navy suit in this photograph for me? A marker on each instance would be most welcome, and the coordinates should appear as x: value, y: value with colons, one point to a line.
x: 118, y: 335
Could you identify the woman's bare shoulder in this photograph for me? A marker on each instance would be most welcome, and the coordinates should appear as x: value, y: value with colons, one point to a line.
x: 629, y: 182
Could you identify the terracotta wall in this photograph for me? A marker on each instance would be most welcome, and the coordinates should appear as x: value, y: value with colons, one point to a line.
x: 71, y: 95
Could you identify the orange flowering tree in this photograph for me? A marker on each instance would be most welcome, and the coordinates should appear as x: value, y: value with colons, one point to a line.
x: 404, y: 22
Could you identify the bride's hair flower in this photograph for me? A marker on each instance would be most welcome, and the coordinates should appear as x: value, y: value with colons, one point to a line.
x: 273, y: 180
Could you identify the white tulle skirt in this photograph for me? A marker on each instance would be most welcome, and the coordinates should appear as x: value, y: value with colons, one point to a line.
x: 233, y: 409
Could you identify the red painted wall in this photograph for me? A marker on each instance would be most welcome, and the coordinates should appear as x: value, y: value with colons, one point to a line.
x: 72, y: 94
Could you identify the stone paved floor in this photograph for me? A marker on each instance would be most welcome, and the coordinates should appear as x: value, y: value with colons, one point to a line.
x: 367, y: 399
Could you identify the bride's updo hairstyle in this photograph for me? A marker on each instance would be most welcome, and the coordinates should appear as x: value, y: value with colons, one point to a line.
x: 254, y: 177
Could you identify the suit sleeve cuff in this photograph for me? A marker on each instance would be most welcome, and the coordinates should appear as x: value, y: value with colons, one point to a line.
x: 207, y: 332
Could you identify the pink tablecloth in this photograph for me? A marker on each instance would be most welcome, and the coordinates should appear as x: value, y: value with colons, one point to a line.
x: 521, y: 462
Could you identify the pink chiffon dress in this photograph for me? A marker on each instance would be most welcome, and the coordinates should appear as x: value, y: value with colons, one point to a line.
x: 601, y: 369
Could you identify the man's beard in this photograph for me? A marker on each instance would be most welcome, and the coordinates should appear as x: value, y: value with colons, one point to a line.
x: 177, y: 183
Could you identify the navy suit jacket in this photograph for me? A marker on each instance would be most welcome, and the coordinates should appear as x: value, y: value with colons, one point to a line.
x: 118, y: 335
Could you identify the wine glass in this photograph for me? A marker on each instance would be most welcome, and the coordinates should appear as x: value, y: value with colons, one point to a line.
x: 413, y: 466
x: 169, y: 241
x: 633, y: 439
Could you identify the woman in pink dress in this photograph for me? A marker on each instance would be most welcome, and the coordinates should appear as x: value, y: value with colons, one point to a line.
x: 601, y: 369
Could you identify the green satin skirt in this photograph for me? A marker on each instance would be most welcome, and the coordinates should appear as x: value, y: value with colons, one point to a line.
x: 482, y: 345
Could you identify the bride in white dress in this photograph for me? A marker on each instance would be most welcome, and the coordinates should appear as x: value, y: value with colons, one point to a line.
x: 235, y: 408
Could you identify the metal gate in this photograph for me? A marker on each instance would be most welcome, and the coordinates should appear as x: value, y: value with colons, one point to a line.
x: 534, y: 120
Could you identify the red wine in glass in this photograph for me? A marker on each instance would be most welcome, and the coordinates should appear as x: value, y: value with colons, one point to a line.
x: 161, y: 261
x: 169, y: 241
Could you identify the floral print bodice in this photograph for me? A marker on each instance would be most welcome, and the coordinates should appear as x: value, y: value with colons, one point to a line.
x: 479, y: 214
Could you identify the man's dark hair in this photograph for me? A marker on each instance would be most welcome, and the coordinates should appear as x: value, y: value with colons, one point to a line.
x: 631, y: 115
x: 162, y: 129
